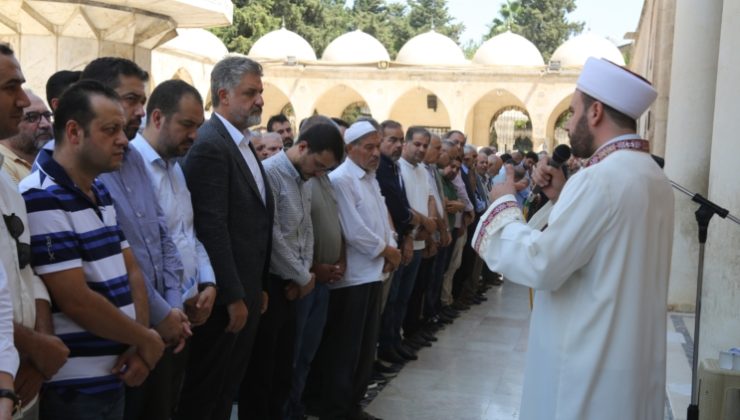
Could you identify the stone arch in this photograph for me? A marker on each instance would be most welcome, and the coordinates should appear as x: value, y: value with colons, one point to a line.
x: 556, y: 113
x: 511, y: 128
x: 486, y: 110
x: 335, y: 100
x: 276, y: 101
x: 421, y: 106
x: 183, y: 74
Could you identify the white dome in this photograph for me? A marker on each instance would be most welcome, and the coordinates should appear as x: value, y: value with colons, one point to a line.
x: 196, y: 42
x: 508, y: 49
x: 355, y: 47
x: 575, y: 51
x: 431, y: 48
x: 280, y: 44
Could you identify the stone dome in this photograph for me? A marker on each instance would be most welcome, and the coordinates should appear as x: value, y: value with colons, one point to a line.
x: 575, y: 51
x: 355, y: 47
x: 281, y: 44
x: 431, y: 48
x: 508, y: 49
x: 198, y: 43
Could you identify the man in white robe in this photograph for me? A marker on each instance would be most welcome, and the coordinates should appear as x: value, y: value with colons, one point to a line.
x: 600, y: 268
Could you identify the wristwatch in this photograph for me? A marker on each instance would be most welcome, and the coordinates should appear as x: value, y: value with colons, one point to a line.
x: 9, y: 394
x: 204, y: 286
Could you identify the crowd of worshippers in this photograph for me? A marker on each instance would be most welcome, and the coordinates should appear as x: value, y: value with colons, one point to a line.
x: 163, y: 265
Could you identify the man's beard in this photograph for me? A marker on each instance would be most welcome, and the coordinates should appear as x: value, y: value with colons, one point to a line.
x: 254, y: 119
x: 581, y: 139
x: 131, y: 130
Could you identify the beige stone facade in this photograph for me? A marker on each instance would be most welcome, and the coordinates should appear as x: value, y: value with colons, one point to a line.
x: 689, y: 49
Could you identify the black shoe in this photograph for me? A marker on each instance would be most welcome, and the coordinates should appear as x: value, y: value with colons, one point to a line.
x: 413, y: 346
x: 386, y: 370
x: 427, y: 336
x: 416, y: 342
x: 379, y: 378
x: 391, y: 356
x: 446, y: 319
x: 460, y: 306
x: 406, y: 353
x: 451, y: 313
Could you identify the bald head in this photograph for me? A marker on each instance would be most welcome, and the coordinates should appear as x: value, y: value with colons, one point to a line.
x: 494, y: 165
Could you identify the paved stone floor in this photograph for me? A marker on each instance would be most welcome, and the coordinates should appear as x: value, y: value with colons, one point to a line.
x: 475, y: 370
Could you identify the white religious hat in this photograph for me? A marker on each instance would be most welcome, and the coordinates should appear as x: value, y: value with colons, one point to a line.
x: 616, y: 86
x: 357, y: 130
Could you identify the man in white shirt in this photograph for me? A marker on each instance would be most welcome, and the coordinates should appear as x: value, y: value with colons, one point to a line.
x: 352, y: 325
x: 597, y: 336
x: 175, y: 111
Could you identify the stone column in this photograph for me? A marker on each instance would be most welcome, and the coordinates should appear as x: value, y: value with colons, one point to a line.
x: 721, y: 293
x: 689, y: 132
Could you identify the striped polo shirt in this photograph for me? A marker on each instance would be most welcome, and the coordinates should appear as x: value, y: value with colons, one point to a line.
x: 69, y: 230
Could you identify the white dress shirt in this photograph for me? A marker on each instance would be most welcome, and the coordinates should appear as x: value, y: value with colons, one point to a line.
x: 172, y: 191
x: 418, y: 190
x: 242, y: 142
x: 365, y: 223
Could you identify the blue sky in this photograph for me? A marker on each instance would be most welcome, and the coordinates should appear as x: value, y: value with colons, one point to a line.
x: 608, y: 18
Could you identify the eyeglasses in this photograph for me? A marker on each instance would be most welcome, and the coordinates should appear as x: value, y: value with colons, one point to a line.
x: 15, y: 227
x: 34, y: 116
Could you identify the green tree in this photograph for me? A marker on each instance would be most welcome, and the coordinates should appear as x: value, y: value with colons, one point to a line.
x: 544, y: 22
x: 505, y: 20
x: 252, y: 19
x: 433, y: 14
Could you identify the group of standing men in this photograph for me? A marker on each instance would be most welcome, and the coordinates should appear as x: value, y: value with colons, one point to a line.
x: 166, y: 272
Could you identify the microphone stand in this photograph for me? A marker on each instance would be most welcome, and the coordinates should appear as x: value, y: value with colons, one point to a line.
x: 704, y: 214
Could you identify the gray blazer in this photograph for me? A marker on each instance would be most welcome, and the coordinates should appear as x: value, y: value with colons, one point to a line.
x: 231, y: 220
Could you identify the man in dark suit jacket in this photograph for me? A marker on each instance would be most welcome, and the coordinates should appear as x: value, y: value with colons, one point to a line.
x: 233, y: 210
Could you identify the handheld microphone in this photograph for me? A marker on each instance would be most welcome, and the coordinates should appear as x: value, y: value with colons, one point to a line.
x: 560, y: 155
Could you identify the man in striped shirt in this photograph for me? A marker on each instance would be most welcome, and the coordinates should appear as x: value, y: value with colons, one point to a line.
x: 81, y: 255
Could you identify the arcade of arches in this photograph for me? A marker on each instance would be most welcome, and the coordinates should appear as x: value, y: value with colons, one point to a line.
x: 504, y: 104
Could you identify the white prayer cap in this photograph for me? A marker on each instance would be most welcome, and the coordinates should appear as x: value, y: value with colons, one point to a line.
x: 616, y: 86
x: 358, y: 130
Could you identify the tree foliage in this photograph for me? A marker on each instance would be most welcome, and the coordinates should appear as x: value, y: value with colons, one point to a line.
x: 544, y: 22
x: 320, y: 21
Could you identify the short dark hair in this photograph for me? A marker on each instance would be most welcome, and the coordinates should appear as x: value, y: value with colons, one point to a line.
x: 340, y: 122
x: 108, y: 70
x: 506, y: 158
x: 533, y: 156
x: 75, y: 105
x: 321, y: 134
x: 6, y: 49
x: 621, y: 119
x: 389, y: 124
x: 60, y: 81
x: 417, y: 129
x: 279, y: 118
x: 167, y: 95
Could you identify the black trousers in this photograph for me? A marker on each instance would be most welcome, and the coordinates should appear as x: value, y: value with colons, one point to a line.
x: 414, y: 317
x: 344, y: 362
x: 266, y: 385
x: 158, y: 396
x: 216, y: 365
x: 463, y: 279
